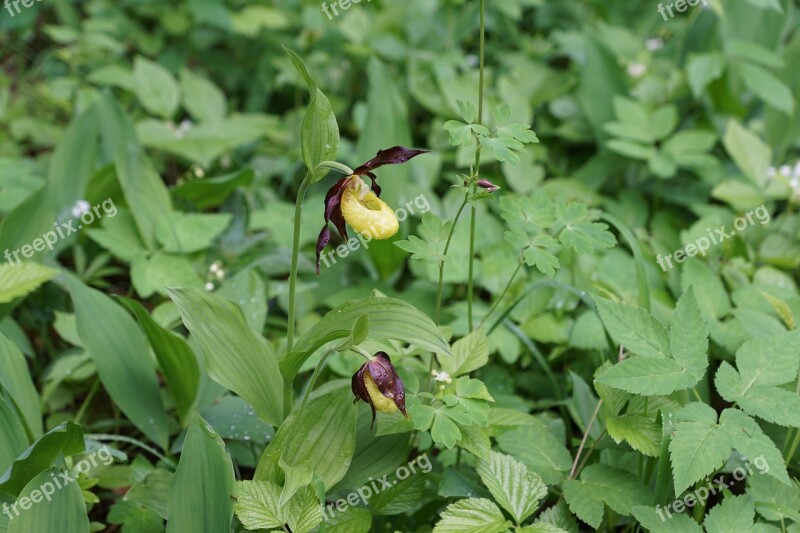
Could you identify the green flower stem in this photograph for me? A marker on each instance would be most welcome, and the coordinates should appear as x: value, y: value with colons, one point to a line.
x: 477, y: 169
x: 573, y: 471
x: 440, y: 286
x: 298, y: 215
x: 317, y: 371
x: 502, y: 295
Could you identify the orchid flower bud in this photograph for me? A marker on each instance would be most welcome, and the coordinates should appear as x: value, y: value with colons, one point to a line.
x: 378, y: 384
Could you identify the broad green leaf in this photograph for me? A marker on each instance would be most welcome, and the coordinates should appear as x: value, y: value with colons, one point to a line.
x: 322, y: 440
x: 764, y: 364
x: 634, y: 328
x: 155, y: 87
x: 204, y: 100
x: 175, y: 359
x: 15, y: 379
x: 353, y: 520
x: 699, y: 445
x: 660, y: 520
x: 64, y: 510
x: 642, y: 433
x: 688, y: 336
x: 201, y: 491
x: 145, y: 192
x: 158, y: 272
x: 119, y: 350
x: 735, y: 513
x: 748, y: 151
x: 186, y: 233
x: 319, y: 137
x: 774, y: 501
x: 469, y: 353
x: 473, y: 515
x: 769, y: 88
x: 389, y: 318
x: 236, y: 357
x: 663, y: 366
x: 599, y: 485
x: 19, y: 279
x: 539, y: 449
x: 257, y: 505
x: 512, y: 486
x: 750, y: 441
x: 66, y: 439
x: 13, y: 439
x: 702, y: 69
x: 303, y: 513
x: 402, y: 497
x: 135, y: 518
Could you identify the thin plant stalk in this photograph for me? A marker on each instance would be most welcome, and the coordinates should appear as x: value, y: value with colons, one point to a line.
x: 502, y: 294
x: 477, y: 170
x: 298, y: 215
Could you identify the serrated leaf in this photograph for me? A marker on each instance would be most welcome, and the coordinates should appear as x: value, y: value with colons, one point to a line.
x: 599, y: 485
x: 660, y: 520
x: 735, y: 513
x: 516, y: 489
x: 634, y: 328
x: 750, y: 441
x: 473, y: 515
x: 539, y: 449
x: 642, y: 433
x: 257, y: 505
x: 688, y: 336
x: 699, y: 445
x: 19, y: 279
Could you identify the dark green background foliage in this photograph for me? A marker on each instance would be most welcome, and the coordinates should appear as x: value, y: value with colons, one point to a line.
x: 586, y: 348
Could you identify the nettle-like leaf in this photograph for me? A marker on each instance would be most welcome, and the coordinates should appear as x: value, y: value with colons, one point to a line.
x: 656, y: 520
x: 642, y: 433
x: 701, y: 444
x: 432, y: 241
x: 665, y: 362
x: 763, y: 366
x: 601, y: 485
x: 20, y: 279
x: 736, y: 513
x: 516, y: 489
x: 473, y: 515
x: 257, y: 507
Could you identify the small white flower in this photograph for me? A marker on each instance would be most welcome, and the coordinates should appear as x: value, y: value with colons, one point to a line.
x: 472, y: 60
x: 220, y: 274
x: 786, y: 170
x: 796, y: 169
x: 654, y: 44
x: 209, y: 286
x: 80, y: 207
x: 771, y: 172
x: 636, y: 70
x: 214, y: 267
x: 444, y: 377
x: 199, y: 172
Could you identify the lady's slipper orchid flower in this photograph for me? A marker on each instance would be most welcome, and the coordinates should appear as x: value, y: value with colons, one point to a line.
x: 378, y: 384
x: 350, y: 200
